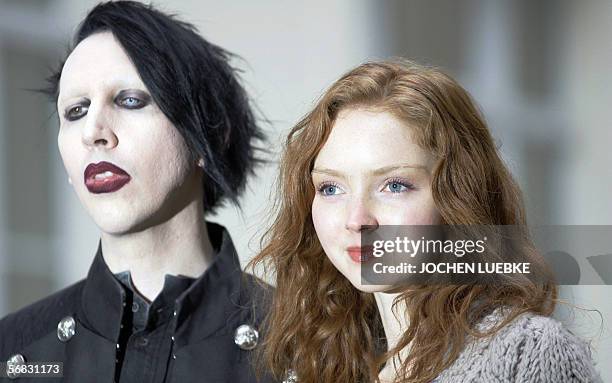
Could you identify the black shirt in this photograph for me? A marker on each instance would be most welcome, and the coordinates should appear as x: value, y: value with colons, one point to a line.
x: 145, y: 329
x: 185, y: 335
x: 142, y: 309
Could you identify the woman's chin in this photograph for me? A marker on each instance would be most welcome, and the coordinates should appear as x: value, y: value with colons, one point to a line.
x: 369, y: 288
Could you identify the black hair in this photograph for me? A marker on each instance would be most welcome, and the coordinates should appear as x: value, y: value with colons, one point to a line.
x: 193, y: 84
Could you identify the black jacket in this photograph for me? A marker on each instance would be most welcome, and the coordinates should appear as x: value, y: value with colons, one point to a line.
x: 196, y: 342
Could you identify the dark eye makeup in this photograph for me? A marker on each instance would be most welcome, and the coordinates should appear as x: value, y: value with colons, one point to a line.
x: 76, y: 111
x: 129, y: 99
x: 132, y: 99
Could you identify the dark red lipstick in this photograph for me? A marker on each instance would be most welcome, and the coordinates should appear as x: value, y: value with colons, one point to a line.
x: 105, y: 177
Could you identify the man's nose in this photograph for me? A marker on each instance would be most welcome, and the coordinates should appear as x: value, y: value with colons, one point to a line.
x: 98, y: 131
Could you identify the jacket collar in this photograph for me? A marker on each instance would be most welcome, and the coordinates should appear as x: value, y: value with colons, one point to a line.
x: 204, y: 308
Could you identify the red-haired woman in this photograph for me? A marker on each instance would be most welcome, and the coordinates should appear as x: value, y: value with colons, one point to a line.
x: 394, y: 143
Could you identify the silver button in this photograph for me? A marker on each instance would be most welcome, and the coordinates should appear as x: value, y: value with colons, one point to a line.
x: 15, y: 360
x: 135, y: 307
x: 246, y: 337
x: 291, y: 377
x: 66, y: 329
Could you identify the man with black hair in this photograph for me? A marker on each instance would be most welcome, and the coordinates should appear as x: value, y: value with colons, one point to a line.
x: 155, y: 132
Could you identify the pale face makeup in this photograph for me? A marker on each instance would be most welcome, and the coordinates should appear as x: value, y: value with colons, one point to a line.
x: 107, y: 116
x: 370, y: 171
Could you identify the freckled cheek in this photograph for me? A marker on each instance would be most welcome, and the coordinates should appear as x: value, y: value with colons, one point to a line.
x: 327, y: 221
x: 409, y: 213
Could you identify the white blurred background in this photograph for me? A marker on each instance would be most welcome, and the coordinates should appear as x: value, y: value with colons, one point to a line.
x: 540, y: 70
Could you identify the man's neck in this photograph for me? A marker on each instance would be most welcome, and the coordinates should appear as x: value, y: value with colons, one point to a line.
x: 178, y: 246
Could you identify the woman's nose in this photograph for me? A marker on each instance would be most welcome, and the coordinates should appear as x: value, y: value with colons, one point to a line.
x: 360, y: 217
x: 98, y: 130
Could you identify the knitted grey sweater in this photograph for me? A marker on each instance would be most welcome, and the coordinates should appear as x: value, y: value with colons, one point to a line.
x: 530, y: 349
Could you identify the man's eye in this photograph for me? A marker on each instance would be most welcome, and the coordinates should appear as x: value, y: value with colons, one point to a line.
x: 131, y: 102
x: 75, y: 112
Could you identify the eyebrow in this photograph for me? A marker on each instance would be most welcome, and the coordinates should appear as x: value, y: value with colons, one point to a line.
x: 376, y: 172
x: 69, y: 100
x: 78, y: 92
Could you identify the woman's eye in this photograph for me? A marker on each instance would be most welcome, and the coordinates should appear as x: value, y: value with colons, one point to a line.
x: 131, y: 102
x: 398, y: 186
x: 329, y: 190
x: 75, y: 112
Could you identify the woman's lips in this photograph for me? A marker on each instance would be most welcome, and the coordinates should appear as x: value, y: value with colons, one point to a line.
x: 360, y: 254
x: 105, y: 177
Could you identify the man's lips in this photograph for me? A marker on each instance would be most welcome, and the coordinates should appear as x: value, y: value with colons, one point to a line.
x: 360, y: 254
x: 105, y: 177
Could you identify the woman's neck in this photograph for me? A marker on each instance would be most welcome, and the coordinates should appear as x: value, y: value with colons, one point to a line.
x: 179, y: 245
x: 395, y: 326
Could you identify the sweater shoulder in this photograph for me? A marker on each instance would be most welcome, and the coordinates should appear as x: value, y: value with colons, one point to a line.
x: 539, y: 348
x: 539, y: 332
x: 27, y: 325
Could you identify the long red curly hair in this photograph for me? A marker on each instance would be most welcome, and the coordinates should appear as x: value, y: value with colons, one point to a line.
x: 319, y: 325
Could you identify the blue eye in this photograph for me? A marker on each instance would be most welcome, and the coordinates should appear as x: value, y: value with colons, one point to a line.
x: 132, y: 99
x: 398, y: 186
x: 328, y: 189
x: 131, y: 102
